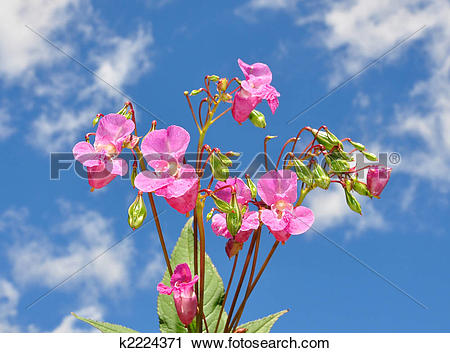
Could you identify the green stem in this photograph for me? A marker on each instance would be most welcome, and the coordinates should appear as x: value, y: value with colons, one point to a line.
x: 303, y: 193
x: 201, y: 232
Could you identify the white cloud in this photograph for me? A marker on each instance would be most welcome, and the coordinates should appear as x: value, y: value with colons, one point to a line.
x: 83, y: 235
x: 20, y: 49
x: 6, y: 128
x: 330, y: 210
x: 248, y: 10
x: 9, y: 299
x: 70, y: 324
x: 153, y: 271
x: 361, y: 100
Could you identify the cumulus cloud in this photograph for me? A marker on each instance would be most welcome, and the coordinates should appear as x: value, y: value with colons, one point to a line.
x: 9, y: 299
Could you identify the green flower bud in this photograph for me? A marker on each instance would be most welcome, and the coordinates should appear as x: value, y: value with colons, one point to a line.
x: 369, y: 156
x: 360, y: 147
x: 221, y: 205
x: 137, y: 212
x: 222, y: 85
x: 303, y: 172
x: 321, y: 177
x: 219, y: 169
x: 213, y: 78
x: 361, y: 188
x: 224, y: 159
x: 326, y: 138
x: 352, y: 202
x: 348, y: 185
x: 133, y: 176
x: 195, y: 92
x: 234, y: 218
x: 338, y: 165
x: 209, y: 215
x: 95, y: 121
x: 251, y: 185
x: 258, y: 119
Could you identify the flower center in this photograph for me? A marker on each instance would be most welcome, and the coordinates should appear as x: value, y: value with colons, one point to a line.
x: 281, y: 206
x: 109, y: 149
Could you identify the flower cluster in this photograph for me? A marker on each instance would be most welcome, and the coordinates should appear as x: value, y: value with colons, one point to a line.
x: 240, y: 210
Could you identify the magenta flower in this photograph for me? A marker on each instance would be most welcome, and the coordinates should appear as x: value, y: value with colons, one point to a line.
x: 278, y: 189
x: 254, y: 89
x: 101, y: 159
x: 377, y: 178
x: 181, y: 285
x: 250, y: 220
x: 172, y: 179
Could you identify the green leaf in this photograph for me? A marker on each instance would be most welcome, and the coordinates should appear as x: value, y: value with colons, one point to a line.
x: 263, y: 325
x: 105, y: 326
x: 214, y: 289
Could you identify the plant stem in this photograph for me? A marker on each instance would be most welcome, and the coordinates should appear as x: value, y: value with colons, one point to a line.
x: 258, y: 276
x: 303, y: 193
x: 155, y: 214
x: 226, y: 292
x: 201, y: 231
x: 241, y: 280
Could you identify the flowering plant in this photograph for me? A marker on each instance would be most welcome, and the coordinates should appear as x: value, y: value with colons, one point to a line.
x: 192, y: 295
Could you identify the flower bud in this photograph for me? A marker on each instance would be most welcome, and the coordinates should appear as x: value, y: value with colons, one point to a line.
x: 303, y: 172
x: 133, y: 175
x: 352, y: 202
x: 224, y: 159
x: 222, y: 205
x: 377, y: 178
x: 137, y: 212
x: 186, y: 304
x: 232, y: 247
x: 360, y: 147
x: 251, y: 185
x: 213, y: 78
x: 326, y: 138
x: 321, y: 177
x: 219, y: 169
x: 338, y: 165
x: 234, y: 218
x: 194, y: 92
x: 369, y: 156
x: 257, y: 118
x: 96, y: 120
x: 209, y: 215
x: 222, y: 85
x: 361, y: 188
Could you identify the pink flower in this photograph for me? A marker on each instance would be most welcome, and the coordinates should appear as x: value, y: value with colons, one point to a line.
x: 250, y: 220
x: 101, y: 159
x: 278, y: 189
x: 181, y: 285
x: 377, y: 178
x: 172, y: 179
x: 254, y: 89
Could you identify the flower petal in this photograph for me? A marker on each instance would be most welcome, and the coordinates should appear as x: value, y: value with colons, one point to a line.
x: 163, y: 289
x: 259, y: 70
x: 99, y: 176
x: 302, y: 220
x: 172, y: 141
x: 281, y: 235
x: 243, y: 193
x: 85, y: 153
x: 219, y: 225
x: 117, y: 166
x: 250, y: 221
x: 149, y: 181
x: 243, y: 104
x: 181, y: 274
x: 114, y: 129
x: 278, y: 185
x: 181, y: 184
x: 269, y: 218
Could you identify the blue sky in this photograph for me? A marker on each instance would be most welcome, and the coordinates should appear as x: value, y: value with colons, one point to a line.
x: 155, y: 50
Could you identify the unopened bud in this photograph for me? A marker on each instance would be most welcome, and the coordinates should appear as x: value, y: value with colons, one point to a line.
x: 209, y: 215
x: 352, y: 202
x: 133, y: 175
x: 361, y: 188
x: 224, y: 159
x: 377, y: 178
x: 303, y: 172
x: 222, y: 85
x: 195, y: 92
x: 213, y: 78
x: 137, y: 212
x: 219, y: 169
x: 258, y: 119
x: 321, y: 178
x: 251, y: 185
x: 222, y: 205
x: 369, y: 156
x: 360, y: 147
x: 96, y: 120
x: 326, y: 139
x: 234, y: 218
x: 338, y: 165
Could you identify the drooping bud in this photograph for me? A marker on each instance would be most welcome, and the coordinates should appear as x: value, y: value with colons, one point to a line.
x: 222, y: 205
x: 369, y: 156
x: 234, y: 218
x: 352, y: 202
x: 133, y: 175
x: 251, y: 185
x: 359, y: 146
x: 96, y: 120
x: 326, y: 139
x: 222, y: 85
x: 377, y: 178
x: 303, y: 172
x: 185, y: 303
x: 137, y: 212
x: 194, y: 92
x: 348, y: 185
x: 213, y: 78
x: 361, y: 188
x: 257, y: 118
x: 224, y: 159
x: 209, y: 215
x: 321, y: 178
x: 338, y: 165
x: 219, y: 169
x: 232, y: 247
